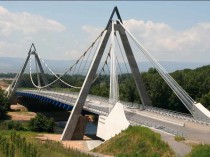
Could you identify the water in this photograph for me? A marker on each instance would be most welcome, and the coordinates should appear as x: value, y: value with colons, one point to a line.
x: 90, y: 129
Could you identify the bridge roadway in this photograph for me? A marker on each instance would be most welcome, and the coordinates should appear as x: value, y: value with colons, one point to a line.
x: 164, y: 120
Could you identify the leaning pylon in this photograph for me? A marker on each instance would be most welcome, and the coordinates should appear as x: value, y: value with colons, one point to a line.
x: 10, y: 91
x: 77, y: 109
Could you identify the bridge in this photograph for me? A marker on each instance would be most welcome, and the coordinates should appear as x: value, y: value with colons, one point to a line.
x: 111, y: 46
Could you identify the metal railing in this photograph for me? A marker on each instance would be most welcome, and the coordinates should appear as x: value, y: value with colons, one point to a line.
x: 59, y: 96
x: 136, y: 121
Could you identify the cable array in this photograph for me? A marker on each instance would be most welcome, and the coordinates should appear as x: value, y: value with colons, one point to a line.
x: 178, y: 90
x: 71, y: 69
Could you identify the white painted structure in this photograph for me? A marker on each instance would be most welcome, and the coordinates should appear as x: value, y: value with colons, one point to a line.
x: 112, y: 125
x: 201, y: 110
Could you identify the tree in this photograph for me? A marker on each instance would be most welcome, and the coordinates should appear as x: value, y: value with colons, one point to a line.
x: 41, y: 124
x: 4, y: 103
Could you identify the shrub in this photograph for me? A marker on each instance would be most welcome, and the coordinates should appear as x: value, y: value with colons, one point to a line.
x: 4, y: 103
x: 179, y: 138
x: 41, y: 124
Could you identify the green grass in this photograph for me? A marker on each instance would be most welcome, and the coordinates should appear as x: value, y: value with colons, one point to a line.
x: 179, y: 138
x: 44, y: 149
x: 136, y: 141
x: 200, y: 151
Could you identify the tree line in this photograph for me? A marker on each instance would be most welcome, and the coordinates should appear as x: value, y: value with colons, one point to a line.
x: 195, y: 82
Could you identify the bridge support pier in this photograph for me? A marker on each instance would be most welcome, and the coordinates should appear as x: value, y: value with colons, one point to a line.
x: 72, y: 121
x: 113, y: 124
x: 201, y: 113
x: 80, y: 128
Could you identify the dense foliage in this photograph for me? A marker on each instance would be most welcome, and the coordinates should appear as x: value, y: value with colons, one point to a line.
x: 195, y: 82
x: 41, y: 124
x: 7, y: 75
x: 136, y: 141
x: 4, y: 103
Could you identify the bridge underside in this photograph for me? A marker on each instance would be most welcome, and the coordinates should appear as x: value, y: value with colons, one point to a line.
x: 81, y: 102
x: 52, y: 101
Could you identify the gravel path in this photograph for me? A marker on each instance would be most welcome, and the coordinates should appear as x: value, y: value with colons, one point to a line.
x: 180, y: 148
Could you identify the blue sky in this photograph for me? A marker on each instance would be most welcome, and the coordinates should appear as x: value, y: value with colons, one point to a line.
x: 178, y: 21
x: 176, y: 13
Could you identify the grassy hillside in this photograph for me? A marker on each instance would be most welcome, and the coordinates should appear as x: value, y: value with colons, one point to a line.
x: 24, y: 144
x: 136, y: 141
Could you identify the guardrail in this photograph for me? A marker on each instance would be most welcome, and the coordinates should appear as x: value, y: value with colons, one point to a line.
x: 73, y: 95
x: 135, y: 121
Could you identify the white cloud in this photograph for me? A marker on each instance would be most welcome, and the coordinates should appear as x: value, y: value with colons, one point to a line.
x: 72, y: 54
x: 93, y: 32
x: 26, y: 23
x: 19, y: 29
x: 166, y: 43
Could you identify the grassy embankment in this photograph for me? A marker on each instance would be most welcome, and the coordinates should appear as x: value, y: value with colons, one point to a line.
x: 200, y: 151
x: 136, y: 141
x: 24, y: 144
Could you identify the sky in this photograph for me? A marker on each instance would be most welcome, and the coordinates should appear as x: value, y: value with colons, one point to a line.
x: 169, y: 30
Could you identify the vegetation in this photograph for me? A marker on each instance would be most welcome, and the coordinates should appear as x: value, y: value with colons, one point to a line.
x: 196, y: 83
x: 136, y: 141
x: 13, y: 125
x: 7, y: 75
x: 179, y: 138
x: 41, y: 124
x: 14, y: 145
x: 200, y: 150
x: 4, y: 103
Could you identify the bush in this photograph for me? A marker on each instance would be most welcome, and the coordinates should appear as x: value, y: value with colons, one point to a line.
x: 4, y: 103
x: 41, y: 124
x: 179, y: 138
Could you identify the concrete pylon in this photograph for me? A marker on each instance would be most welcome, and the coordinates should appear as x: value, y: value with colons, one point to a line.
x: 15, y: 84
x: 77, y: 109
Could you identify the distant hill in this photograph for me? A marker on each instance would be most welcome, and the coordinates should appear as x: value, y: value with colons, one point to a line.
x: 12, y: 65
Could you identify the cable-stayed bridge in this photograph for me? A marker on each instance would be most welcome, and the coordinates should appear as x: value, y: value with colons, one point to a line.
x: 115, y: 44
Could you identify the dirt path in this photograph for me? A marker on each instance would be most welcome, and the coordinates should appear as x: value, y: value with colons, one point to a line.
x: 84, y: 145
x: 20, y: 113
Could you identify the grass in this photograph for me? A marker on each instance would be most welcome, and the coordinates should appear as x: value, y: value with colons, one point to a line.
x: 136, y: 141
x: 47, y: 148
x: 179, y: 138
x: 200, y: 151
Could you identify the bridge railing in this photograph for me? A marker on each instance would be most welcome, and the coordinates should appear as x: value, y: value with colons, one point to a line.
x: 136, y: 121
x: 165, y: 111
x: 70, y: 98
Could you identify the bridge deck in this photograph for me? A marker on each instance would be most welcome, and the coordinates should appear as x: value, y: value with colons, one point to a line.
x: 167, y: 121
